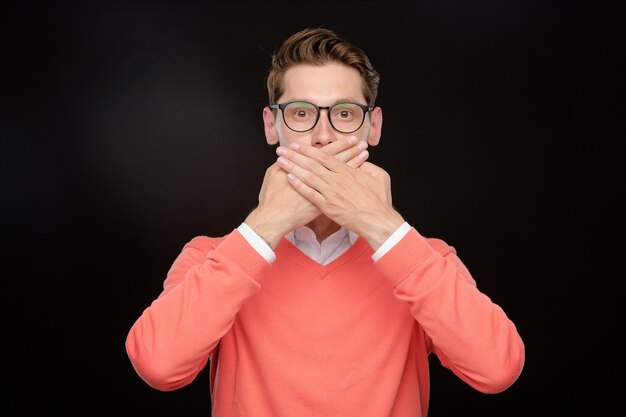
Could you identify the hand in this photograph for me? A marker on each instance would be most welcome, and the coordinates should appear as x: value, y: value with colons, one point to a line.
x: 281, y: 208
x: 358, y: 198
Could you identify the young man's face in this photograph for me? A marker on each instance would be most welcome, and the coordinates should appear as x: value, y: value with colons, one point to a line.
x: 323, y: 86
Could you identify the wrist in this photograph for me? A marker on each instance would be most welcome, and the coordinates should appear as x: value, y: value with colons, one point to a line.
x: 382, y: 228
x: 264, y: 226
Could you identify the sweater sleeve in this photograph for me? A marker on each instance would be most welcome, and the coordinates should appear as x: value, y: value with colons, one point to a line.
x: 170, y: 343
x: 471, y: 335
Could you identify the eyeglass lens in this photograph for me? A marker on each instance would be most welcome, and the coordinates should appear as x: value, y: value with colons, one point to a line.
x: 302, y: 116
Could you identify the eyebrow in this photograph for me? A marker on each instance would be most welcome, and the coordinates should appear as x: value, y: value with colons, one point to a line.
x: 341, y: 100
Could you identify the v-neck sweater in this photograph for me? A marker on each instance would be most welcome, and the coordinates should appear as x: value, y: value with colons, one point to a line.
x: 298, y: 338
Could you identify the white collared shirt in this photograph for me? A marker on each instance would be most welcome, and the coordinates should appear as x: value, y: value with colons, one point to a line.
x: 330, y: 249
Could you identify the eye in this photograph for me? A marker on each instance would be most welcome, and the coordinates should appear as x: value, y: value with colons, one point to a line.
x: 344, y: 114
x: 301, y: 111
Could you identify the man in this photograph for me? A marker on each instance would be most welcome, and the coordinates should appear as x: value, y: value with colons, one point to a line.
x: 324, y: 301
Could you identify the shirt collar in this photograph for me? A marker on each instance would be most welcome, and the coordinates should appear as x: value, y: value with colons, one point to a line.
x: 304, y: 233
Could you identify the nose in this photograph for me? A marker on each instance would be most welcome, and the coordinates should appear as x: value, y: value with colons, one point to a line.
x: 323, y: 132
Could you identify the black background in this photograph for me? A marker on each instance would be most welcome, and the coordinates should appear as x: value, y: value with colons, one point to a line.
x: 130, y: 127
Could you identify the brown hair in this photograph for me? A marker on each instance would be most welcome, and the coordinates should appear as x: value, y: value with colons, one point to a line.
x: 320, y: 46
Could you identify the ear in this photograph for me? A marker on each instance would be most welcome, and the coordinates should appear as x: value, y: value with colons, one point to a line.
x: 269, y: 124
x: 376, y: 126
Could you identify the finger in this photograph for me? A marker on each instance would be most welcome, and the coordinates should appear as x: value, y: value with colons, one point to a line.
x: 306, y: 176
x: 358, y: 160
x: 338, y: 146
x: 313, y: 159
x: 305, y: 191
x: 288, y: 158
x: 371, y: 169
x: 348, y: 154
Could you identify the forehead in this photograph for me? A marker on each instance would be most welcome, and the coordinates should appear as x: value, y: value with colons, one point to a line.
x: 322, y: 84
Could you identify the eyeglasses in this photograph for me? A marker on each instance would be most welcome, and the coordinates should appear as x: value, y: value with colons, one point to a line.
x: 302, y: 116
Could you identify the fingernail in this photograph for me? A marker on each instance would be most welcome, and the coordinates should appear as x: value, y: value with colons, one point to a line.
x: 363, y: 154
x: 282, y: 161
x: 295, y: 146
x: 362, y: 145
x: 281, y: 150
x: 351, y: 140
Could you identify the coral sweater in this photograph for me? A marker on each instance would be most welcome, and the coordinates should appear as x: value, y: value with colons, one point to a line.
x: 301, y: 339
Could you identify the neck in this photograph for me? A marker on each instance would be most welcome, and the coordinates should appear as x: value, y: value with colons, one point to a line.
x: 323, y: 227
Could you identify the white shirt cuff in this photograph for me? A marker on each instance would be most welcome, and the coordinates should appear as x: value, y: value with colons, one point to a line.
x: 391, y: 241
x: 257, y: 242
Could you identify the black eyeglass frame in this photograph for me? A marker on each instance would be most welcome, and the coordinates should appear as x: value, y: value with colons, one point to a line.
x: 281, y: 106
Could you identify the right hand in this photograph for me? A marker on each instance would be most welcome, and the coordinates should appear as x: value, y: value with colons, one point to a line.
x: 281, y: 209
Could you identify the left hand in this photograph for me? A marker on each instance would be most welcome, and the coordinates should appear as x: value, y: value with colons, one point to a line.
x: 356, y: 198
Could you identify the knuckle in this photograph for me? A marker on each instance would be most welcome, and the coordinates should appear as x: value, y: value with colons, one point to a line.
x: 323, y: 158
x: 307, y: 164
x: 308, y: 177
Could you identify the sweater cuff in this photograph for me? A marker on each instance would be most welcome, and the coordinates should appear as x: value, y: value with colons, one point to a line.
x: 405, y: 257
x: 236, y: 248
x: 257, y: 242
x: 391, y: 241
